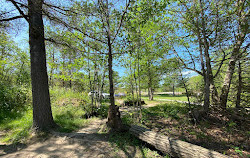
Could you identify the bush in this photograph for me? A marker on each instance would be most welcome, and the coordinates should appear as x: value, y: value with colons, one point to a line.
x: 12, y: 100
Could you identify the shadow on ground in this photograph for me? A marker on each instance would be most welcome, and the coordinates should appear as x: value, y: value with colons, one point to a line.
x: 84, y: 143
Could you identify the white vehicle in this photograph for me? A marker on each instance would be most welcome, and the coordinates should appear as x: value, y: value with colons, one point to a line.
x: 93, y: 93
x: 106, y: 95
x: 96, y: 94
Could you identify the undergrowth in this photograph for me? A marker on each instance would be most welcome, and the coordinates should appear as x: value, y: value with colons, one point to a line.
x: 16, y: 123
x: 125, y: 140
x: 224, y: 133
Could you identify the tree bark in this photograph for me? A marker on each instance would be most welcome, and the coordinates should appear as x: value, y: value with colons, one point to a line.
x: 173, y: 147
x: 173, y: 90
x: 150, y: 89
x: 242, y: 31
x: 42, y: 114
x: 114, y: 120
x: 206, y: 87
x: 228, y: 77
x: 239, y: 87
x: 139, y: 84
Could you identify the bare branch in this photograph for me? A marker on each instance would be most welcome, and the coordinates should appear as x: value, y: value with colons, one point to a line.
x: 60, y: 21
x: 12, y: 18
x: 122, y: 18
x: 19, y: 10
x: 185, y: 66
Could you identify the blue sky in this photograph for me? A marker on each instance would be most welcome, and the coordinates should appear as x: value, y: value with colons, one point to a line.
x: 20, y: 36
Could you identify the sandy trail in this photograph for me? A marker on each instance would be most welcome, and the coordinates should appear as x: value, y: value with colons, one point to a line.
x: 87, y: 142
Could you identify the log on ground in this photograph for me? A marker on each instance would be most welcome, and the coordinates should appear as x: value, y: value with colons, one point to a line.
x: 173, y: 147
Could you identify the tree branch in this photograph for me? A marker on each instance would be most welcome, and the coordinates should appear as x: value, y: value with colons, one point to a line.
x: 19, y: 10
x: 123, y: 15
x: 12, y: 18
x: 56, y: 19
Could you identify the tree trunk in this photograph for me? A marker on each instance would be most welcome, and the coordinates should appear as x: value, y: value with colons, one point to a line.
x: 173, y: 147
x: 240, y: 83
x: 150, y: 92
x: 42, y: 114
x: 209, y: 74
x: 114, y: 120
x: 131, y: 81
x: 206, y: 87
x: 139, y: 84
x: 242, y: 31
x: 173, y: 90
x: 228, y: 78
x: 150, y: 89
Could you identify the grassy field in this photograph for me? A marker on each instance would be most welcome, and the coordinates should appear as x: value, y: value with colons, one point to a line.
x: 159, y: 97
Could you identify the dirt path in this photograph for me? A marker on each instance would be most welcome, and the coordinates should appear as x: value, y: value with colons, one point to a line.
x: 87, y: 142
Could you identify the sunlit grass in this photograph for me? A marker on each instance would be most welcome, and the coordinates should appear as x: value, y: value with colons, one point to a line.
x: 168, y: 97
x: 69, y: 118
x: 125, y: 140
x: 18, y: 128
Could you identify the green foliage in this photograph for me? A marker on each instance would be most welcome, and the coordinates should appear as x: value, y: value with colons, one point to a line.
x: 13, y: 100
x: 238, y: 151
x: 130, y: 98
x: 103, y: 111
x: 69, y: 118
x: 58, y: 94
x: 166, y: 97
x: 167, y: 110
x: 18, y: 126
x: 125, y: 140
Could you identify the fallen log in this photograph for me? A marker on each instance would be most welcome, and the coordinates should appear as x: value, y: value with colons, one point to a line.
x: 173, y: 147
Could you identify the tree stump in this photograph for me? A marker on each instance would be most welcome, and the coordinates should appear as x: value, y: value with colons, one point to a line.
x: 173, y: 147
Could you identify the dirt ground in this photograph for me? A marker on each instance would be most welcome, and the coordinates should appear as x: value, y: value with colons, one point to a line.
x: 87, y: 142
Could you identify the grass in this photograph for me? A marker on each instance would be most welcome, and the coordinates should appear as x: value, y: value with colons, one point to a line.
x: 16, y: 125
x: 213, y: 132
x: 124, y: 141
x: 17, y: 128
x: 159, y: 97
x: 68, y: 117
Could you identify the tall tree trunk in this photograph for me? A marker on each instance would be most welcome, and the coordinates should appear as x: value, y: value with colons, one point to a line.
x: 131, y: 81
x: 42, y: 114
x: 114, y: 120
x: 139, y: 84
x: 173, y: 90
x: 229, y: 74
x: 239, y: 87
x: 240, y: 37
x: 70, y: 70
x: 150, y: 89
x: 206, y: 90
x: 209, y: 74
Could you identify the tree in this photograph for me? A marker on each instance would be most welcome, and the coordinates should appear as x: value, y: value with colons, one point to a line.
x: 42, y: 114
x: 241, y: 12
